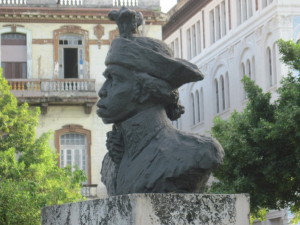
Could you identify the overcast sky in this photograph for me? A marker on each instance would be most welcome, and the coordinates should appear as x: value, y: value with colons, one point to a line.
x: 166, y: 5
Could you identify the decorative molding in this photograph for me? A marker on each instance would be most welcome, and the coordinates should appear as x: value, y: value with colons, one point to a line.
x: 99, y: 32
x: 42, y: 41
x: 13, y: 27
x: 113, y: 34
x: 95, y: 42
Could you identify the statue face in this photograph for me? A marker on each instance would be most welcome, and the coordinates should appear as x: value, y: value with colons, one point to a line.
x: 116, y: 102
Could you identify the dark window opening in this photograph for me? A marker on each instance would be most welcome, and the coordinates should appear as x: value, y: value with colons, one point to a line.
x: 71, y: 62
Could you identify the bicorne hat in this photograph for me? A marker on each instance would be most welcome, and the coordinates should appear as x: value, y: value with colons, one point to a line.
x: 147, y: 54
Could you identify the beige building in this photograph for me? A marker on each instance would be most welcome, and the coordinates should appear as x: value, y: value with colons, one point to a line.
x: 52, y: 54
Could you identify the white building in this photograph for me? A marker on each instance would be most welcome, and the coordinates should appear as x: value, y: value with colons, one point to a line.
x: 227, y: 39
x: 52, y: 54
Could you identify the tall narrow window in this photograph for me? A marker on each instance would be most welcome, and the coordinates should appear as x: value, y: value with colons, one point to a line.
x: 218, y: 23
x: 198, y: 29
x: 239, y: 12
x: 189, y: 44
x: 201, y: 105
x: 193, y: 109
x: 203, y: 29
x: 244, y: 10
x: 176, y: 48
x: 217, y: 96
x: 223, y: 18
x: 249, y: 5
x: 248, y: 69
x: 264, y: 3
x: 229, y: 14
x: 243, y: 74
x: 227, y: 99
x: 194, y: 48
x: 14, y: 55
x: 223, y: 92
x: 274, y: 51
x: 212, y: 26
x: 269, y: 64
x: 198, y: 106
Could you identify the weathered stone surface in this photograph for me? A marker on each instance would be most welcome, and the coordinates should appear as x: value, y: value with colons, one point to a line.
x: 153, y: 209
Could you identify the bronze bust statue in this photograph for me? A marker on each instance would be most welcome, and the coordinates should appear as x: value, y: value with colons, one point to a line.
x: 146, y: 154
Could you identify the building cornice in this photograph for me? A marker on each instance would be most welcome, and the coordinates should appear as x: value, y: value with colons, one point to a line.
x: 176, y: 20
x: 68, y: 15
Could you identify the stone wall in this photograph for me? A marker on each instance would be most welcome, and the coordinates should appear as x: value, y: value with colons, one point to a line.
x: 153, y: 209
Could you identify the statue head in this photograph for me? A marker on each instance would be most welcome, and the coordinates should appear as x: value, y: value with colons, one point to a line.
x: 141, y: 72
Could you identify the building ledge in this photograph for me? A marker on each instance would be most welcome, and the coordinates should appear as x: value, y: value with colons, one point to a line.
x: 44, y: 93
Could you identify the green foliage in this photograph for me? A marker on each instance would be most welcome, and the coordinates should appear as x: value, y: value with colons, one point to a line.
x: 262, y: 143
x: 29, y: 176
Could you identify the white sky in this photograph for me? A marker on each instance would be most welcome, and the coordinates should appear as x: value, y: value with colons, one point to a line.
x: 166, y: 5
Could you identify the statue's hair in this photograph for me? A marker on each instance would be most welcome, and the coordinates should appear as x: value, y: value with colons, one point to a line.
x: 160, y: 92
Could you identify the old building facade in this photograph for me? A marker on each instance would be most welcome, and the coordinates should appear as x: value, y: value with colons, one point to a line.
x: 228, y: 39
x: 52, y: 54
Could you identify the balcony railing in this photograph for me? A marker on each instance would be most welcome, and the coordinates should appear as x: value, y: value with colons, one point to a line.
x: 71, y: 2
x: 56, y: 85
x: 89, y: 190
x: 12, y: 2
x: 132, y: 3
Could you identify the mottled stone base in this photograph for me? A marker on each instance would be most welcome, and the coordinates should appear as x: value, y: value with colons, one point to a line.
x: 150, y: 209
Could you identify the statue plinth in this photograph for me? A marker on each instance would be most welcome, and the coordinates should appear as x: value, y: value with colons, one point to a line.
x: 153, y: 209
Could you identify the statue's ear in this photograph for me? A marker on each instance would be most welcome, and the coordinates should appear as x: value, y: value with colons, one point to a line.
x: 140, y: 93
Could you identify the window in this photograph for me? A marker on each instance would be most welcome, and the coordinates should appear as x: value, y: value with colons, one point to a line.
x: 269, y: 66
x: 217, y: 17
x: 73, y: 146
x: 198, y: 28
x: 223, y: 93
x: 212, y: 26
x: 244, y: 10
x: 193, y: 42
x: 189, y: 44
x: 71, y: 56
x: 201, y: 105
x: 217, y: 96
x: 176, y: 48
x: 271, y: 69
x: 223, y: 18
x: 73, y: 150
x: 14, y: 55
x: 193, y: 109
x: 198, y: 107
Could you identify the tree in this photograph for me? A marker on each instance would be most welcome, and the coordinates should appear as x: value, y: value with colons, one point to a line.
x: 262, y: 143
x: 29, y: 176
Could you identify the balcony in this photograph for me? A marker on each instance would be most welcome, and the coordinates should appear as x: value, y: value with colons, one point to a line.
x: 45, y: 92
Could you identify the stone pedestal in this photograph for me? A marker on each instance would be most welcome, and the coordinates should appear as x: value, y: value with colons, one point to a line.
x: 153, y: 209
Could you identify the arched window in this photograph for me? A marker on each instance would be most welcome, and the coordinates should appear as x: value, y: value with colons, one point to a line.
x: 73, y: 146
x: 217, y: 96
x: 193, y: 109
x: 227, y: 100
x: 198, y: 107
x: 223, y: 92
x: 274, y: 64
x: 14, y: 55
x: 201, y: 105
x: 253, y: 68
x: 248, y: 69
x: 269, y: 66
